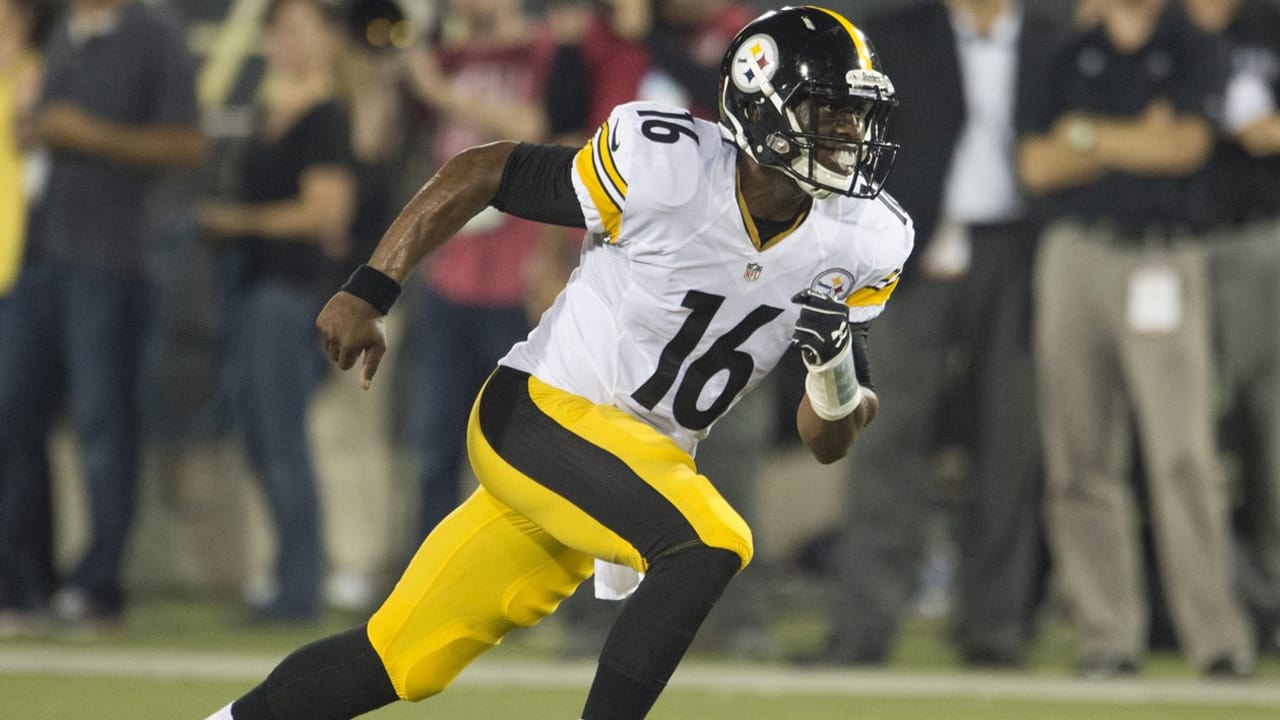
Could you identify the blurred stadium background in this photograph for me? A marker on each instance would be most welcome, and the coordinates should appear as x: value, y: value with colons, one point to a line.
x: 202, y: 532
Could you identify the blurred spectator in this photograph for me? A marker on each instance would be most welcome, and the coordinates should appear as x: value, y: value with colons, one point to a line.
x: 117, y: 100
x: 960, y: 68
x: 481, y: 82
x: 23, y: 25
x: 26, y: 559
x: 1245, y: 264
x: 291, y: 219
x: 1115, y: 144
x: 371, y: 78
x: 666, y: 51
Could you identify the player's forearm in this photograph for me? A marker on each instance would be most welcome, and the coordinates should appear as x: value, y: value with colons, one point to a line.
x: 463, y: 187
x: 830, y: 440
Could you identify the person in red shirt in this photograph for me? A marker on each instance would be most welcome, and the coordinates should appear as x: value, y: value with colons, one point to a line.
x: 482, y: 81
x: 661, y: 50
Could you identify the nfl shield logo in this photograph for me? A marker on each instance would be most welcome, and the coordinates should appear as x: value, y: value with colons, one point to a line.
x: 753, y: 271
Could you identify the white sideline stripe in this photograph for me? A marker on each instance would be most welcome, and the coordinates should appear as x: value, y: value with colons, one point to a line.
x: 754, y: 679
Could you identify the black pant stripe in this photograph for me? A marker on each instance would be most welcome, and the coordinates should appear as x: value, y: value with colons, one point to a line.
x: 592, y: 478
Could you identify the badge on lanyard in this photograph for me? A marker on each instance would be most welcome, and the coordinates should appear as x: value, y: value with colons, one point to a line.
x: 1155, y: 299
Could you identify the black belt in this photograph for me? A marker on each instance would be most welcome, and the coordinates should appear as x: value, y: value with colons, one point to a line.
x: 979, y: 230
x: 1126, y: 232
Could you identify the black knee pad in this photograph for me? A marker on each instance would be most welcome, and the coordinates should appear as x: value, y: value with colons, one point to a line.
x: 655, y: 628
x: 659, y: 621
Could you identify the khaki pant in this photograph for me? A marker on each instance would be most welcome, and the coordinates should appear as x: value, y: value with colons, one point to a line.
x: 1245, y: 266
x: 1099, y: 383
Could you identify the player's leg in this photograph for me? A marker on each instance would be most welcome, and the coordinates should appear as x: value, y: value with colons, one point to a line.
x: 484, y: 571
x: 613, y: 487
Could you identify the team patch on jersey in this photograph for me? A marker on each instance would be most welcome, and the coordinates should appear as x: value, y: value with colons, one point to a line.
x: 836, y: 282
x: 755, y: 62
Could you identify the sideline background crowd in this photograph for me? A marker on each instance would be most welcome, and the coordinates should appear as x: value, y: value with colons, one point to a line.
x: 200, y: 174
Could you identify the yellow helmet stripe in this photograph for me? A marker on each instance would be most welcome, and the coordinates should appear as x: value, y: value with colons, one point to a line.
x: 863, y: 53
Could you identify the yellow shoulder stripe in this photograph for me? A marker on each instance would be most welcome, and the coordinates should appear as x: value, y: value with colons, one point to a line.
x: 610, y: 213
x: 602, y: 142
x: 872, y: 295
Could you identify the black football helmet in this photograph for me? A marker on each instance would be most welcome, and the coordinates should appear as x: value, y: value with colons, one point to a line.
x: 802, y: 90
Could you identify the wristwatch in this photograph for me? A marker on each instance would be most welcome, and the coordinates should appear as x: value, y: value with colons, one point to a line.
x: 1082, y: 135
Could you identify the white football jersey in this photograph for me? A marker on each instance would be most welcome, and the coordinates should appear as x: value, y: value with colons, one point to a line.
x: 676, y: 309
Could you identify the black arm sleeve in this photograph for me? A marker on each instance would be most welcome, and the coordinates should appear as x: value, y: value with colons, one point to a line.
x: 861, y: 359
x: 537, y: 184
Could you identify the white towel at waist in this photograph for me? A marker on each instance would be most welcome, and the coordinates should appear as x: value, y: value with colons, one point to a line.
x: 615, y: 582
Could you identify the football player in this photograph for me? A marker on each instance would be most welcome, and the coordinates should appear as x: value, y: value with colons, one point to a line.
x: 709, y: 250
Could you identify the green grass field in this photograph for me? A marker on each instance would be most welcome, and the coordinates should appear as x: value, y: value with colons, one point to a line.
x: 186, y: 659
x: 41, y: 697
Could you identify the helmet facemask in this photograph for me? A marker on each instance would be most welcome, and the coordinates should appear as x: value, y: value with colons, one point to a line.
x: 830, y: 141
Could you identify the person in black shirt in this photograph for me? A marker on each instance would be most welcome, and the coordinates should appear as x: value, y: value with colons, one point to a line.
x: 1244, y: 192
x: 1114, y: 147
x: 117, y: 104
x: 967, y: 64
x: 291, y: 221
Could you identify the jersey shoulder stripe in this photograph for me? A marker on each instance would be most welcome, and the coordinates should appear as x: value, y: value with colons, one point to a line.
x: 894, y: 207
x: 606, y: 142
x: 598, y: 172
x: 883, y: 258
x: 876, y: 293
x: 644, y: 155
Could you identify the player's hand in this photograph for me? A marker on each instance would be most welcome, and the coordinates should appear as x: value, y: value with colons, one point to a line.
x: 350, y: 327
x: 822, y: 332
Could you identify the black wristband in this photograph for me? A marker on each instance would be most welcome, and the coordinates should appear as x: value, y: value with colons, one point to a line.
x: 374, y: 287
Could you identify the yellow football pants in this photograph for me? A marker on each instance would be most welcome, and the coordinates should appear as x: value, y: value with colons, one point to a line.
x: 562, y: 481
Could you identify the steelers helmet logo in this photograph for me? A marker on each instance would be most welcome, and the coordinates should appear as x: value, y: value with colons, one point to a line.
x: 755, y: 62
x: 836, y: 283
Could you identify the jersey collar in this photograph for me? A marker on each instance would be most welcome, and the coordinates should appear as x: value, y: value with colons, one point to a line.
x: 749, y: 223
